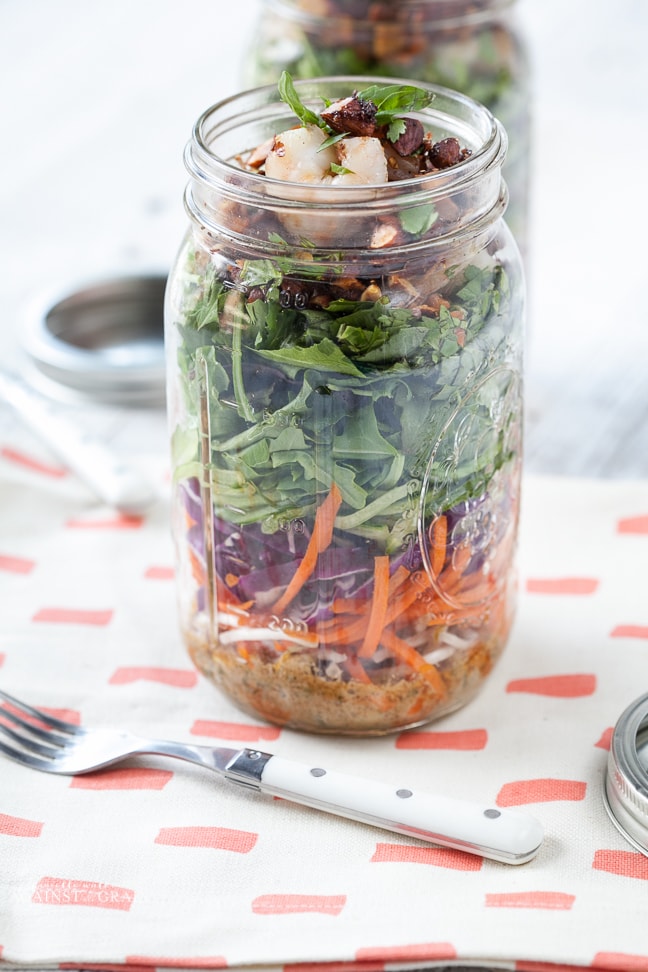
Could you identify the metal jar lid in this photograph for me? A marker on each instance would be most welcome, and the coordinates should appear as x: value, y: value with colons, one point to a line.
x: 102, y: 340
x: 626, y: 782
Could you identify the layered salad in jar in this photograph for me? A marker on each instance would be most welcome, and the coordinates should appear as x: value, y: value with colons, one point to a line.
x: 346, y: 432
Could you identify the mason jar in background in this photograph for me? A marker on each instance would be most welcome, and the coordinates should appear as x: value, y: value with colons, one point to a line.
x: 472, y: 46
x: 344, y: 382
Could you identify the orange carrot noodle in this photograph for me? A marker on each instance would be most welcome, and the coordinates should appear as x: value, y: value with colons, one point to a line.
x: 409, y: 656
x: 320, y: 539
x: 438, y: 534
x: 379, y: 604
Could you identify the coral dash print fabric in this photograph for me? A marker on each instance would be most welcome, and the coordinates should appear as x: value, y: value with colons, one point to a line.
x: 157, y: 864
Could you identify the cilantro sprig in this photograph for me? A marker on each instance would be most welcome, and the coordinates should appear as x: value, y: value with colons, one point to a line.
x: 391, y: 100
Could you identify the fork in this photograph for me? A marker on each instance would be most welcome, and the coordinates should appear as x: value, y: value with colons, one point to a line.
x: 43, y: 742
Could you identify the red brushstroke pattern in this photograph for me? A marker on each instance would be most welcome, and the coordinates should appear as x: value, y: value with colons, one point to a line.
x: 16, y: 565
x: 562, y: 585
x: 120, y: 521
x: 214, y: 838
x: 175, y: 962
x: 550, y: 900
x: 629, y: 864
x: 605, y: 740
x: 233, y: 730
x: 423, y: 952
x: 633, y: 524
x: 19, y: 826
x: 178, y: 677
x: 34, y: 465
x: 620, y: 962
x: 437, y: 856
x: 557, y: 686
x: 629, y: 631
x: 298, y: 904
x: 540, y: 791
x: 126, y: 778
x: 159, y: 573
x: 461, y: 740
x: 58, y: 615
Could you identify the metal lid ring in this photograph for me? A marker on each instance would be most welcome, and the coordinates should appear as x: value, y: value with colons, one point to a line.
x: 626, y: 782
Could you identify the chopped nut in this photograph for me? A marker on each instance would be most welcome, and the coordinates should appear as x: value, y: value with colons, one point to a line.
x: 352, y: 115
x: 257, y: 156
x: 411, y: 139
x: 434, y: 304
x: 386, y: 234
x: 372, y: 292
x: 349, y: 287
x: 277, y: 147
x: 446, y: 153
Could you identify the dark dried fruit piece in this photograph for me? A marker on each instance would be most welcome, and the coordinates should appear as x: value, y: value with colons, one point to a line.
x: 351, y: 115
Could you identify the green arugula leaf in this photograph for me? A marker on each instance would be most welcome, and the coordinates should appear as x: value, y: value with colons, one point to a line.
x: 325, y: 356
x: 288, y: 94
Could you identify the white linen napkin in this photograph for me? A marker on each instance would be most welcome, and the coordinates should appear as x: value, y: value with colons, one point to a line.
x: 157, y: 864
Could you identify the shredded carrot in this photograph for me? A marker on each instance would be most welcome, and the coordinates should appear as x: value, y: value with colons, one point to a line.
x: 409, y: 656
x: 398, y: 578
x: 231, y: 580
x: 197, y: 567
x: 404, y: 601
x: 320, y: 539
x: 438, y: 534
x: 341, y: 633
x: 453, y: 573
x: 349, y: 605
x: 379, y: 604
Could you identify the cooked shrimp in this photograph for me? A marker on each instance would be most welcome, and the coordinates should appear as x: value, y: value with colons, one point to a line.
x: 365, y: 159
x: 297, y: 156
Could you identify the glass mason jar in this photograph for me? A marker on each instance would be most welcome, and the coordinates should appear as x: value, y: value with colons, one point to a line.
x: 345, y: 409
x: 472, y: 46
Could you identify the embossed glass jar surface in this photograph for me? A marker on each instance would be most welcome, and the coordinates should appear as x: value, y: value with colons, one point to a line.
x: 345, y: 405
x: 472, y: 46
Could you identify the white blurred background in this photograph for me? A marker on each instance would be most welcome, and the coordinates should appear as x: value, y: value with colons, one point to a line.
x: 98, y: 100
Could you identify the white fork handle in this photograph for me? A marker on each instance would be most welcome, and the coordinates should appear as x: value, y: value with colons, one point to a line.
x: 509, y: 836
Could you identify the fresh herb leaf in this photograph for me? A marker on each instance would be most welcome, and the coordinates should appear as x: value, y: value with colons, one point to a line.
x: 288, y: 94
x: 332, y: 140
x: 396, y: 129
x: 324, y: 356
x: 419, y: 219
x: 394, y: 99
x: 340, y: 169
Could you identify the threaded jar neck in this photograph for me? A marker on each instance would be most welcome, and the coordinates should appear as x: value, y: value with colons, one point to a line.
x: 437, y: 14
x: 225, y: 198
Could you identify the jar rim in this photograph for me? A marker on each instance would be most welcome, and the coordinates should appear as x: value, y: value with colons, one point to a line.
x: 207, y: 166
x: 456, y: 18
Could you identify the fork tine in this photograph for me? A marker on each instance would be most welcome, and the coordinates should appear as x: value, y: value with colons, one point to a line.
x: 31, y: 745
x: 27, y: 759
x: 48, y: 720
x: 47, y: 735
